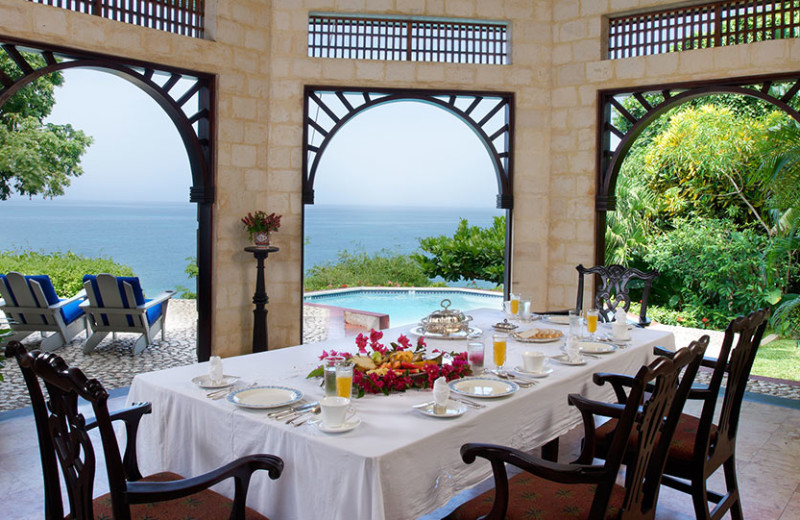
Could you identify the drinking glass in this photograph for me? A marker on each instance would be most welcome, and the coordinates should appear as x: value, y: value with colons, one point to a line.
x: 344, y: 379
x: 575, y: 323
x: 475, y: 351
x: 591, y: 322
x: 499, y: 344
x: 329, y: 370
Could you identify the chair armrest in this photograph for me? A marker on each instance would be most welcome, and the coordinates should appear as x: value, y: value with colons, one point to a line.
x: 131, y: 416
x: 78, y: 296
x: 663, y: 351
x: 618, y: 381
x: 166, y: 295
x: 240, y: 469
x: 554, y: 471
x: 589, y: 409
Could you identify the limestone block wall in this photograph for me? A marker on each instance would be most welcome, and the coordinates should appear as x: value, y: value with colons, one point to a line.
x: 257, y: 50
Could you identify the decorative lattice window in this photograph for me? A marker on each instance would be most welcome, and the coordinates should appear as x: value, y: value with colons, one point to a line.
x: 407, y: 39
x: 714, y: 24
x: 176, y: 16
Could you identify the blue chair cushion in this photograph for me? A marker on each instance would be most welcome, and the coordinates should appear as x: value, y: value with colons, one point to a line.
x: 47, y: 287
x: 72, y: 311
x: 153, y: 313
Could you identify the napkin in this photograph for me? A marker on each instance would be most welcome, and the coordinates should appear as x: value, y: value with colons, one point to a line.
x: 215, y: 370
x: 619, y: 328
x: 572, y: 350
x: 441, y: 393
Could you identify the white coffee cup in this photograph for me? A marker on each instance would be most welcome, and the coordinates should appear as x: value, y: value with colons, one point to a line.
x: 533, y: 361
x: 335, y: 410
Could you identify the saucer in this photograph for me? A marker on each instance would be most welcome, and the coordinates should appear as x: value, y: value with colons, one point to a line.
x: 564, y: 360
x: 546, y: 371
x: 344, y: 427
x: 452, y: 409
x: 204, y: 381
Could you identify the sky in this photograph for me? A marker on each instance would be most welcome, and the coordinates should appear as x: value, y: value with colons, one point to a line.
x: 405, y: 153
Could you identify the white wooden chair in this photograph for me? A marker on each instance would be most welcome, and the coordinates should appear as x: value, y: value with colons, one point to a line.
x: 117, y: 304
x: 31, y: 304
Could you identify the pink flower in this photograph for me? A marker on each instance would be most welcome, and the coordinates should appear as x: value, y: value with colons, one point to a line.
x: 375, y: 336
x: 361, y: 343
x: 404, y: 342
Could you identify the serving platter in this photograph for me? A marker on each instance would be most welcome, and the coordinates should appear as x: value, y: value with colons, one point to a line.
x: 262, y: 397
x: 483, y: 387
x: 472, y: 332
x: 520, y: 336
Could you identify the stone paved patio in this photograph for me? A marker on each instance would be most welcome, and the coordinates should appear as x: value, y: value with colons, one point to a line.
x: 113, y: 363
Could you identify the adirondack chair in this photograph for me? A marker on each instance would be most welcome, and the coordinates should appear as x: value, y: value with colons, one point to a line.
x: 117, y: 304
x: 31, y: 304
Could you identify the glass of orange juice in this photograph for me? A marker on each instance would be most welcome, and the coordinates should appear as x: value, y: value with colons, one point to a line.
x: 344, y: 379
x: 499, y: 344
x: 514, y: 304
x: 591, y: 322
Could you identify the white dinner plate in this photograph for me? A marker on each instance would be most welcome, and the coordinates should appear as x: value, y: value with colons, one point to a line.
x: 265, y: 397
x: 204, y: 381
x: 344, y: 427
x: 564, y: 360
x: 453, y: 409
x: 595, y: 347
x: 483, y: 387
x: 558, y: 320
x: 546, y: 371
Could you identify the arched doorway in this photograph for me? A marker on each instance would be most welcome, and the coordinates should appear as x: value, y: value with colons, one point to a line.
x: 192, y: 113
x: 615, y: 144
x: 489, y: 115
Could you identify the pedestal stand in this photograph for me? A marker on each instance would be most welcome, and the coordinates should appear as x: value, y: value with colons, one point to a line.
x: 260, y: 298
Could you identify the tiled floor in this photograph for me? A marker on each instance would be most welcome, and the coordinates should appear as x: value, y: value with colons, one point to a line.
x: 769, y: 465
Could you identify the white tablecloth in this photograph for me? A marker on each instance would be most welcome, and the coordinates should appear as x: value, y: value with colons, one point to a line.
x: 397, y: 464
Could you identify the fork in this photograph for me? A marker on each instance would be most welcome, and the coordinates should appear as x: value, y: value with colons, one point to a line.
x: 511, y: 377
x: 219, y: 394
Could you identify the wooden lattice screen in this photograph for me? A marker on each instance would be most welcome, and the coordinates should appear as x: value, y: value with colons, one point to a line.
x: 700, y: 26
x: 363, y: 38
x: 183, y: 17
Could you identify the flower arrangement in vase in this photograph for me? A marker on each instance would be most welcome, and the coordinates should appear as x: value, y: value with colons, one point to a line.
x: 259, y: 225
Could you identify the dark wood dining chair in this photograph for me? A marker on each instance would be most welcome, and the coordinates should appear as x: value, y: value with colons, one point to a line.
x: 700, y: 446
x: 64, y: 441
x: 582, y: 489
x: 614, y: 289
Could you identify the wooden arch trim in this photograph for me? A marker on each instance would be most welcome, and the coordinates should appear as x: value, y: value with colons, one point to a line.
x: 476, y: 109
x: 194, y: 125
x: 610, y: 161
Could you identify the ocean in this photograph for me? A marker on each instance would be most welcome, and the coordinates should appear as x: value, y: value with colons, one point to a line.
x: 155, y: 239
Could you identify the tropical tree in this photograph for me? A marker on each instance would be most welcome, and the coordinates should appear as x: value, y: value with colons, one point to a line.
x: 36, y: 158
x: 472, y: 253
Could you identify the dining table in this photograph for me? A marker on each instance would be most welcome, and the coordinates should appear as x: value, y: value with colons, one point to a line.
x: 398, y: 462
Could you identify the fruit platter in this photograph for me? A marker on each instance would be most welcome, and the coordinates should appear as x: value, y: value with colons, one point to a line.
x: 383, y: 369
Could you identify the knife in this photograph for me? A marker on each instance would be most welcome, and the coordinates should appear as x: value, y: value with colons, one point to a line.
x: 283, y: 414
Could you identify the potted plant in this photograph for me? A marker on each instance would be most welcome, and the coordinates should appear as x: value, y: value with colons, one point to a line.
x: 259, y: 225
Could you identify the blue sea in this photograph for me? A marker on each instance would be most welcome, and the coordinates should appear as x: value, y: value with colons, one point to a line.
x: 155, y: 239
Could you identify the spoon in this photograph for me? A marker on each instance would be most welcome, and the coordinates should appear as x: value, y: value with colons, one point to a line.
x: 308, y: 415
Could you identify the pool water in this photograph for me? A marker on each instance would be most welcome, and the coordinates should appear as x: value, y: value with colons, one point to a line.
x: 406, y: 306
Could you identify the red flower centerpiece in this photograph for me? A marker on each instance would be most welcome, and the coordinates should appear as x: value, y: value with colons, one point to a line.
x: 259, y: 225
x: 381, y: 369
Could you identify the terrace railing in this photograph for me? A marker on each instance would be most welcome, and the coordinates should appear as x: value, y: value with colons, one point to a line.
x: 714, y: 24
x: 184, y: 17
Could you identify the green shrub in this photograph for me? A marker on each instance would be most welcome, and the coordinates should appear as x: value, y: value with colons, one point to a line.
x: 712, y: 270
x: 191, y: 271
x: 382, y: 269
x: 66, y: 270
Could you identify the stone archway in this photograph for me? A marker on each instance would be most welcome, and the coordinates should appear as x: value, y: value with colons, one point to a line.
x: 327, y: 109
x: 194, y: 125
x: 610, y: 158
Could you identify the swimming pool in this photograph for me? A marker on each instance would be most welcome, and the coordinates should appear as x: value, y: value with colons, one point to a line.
x: 405, y: 306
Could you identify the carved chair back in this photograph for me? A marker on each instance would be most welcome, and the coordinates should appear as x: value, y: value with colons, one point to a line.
x: 614, y: 289
x: 63, y: 431
x: 736, y: 362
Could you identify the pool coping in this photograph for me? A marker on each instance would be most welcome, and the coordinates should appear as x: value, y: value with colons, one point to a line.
x: 342, y: 290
